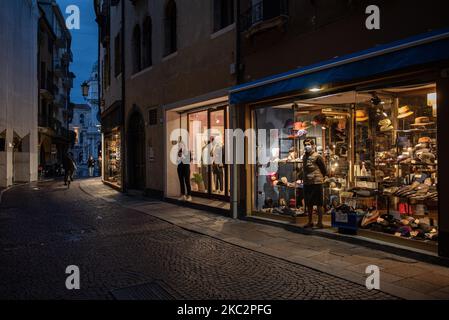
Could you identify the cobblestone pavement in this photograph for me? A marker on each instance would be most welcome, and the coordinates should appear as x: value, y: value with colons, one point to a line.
x: 44, y: 228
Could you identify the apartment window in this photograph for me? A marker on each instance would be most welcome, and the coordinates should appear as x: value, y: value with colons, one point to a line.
x: 82, y: 121
x: 3, y: 141
x: 153, y: 117
x: 118, y: 55
x: 147, y: 41
x: 107, y: 67
x: 50, y: 45
x: 223, y: 14
x: 170, y: 28
x: 43, y: 73
x: 136, y: 48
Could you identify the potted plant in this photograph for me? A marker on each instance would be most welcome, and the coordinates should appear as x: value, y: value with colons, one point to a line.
x: 198, y: 180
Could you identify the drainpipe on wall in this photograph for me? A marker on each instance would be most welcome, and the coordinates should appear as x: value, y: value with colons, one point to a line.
x: 123, y: 138
x: 233, y: 114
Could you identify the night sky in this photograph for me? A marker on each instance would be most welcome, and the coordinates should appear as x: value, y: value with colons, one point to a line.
x: 84, y: 44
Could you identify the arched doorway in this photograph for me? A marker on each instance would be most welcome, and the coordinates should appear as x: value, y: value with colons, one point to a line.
x: 136, y: 152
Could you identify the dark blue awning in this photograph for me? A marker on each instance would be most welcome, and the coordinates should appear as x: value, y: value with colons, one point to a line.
x: 414, y: 51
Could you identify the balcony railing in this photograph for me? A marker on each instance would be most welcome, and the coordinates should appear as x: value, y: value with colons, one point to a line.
x: 265, y: 10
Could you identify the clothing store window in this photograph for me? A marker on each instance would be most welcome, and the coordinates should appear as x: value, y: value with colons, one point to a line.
x: 199, y: 168
x: 112, y: 160
x: 217, y: 125
x: 380, y: 150
x: 209, y: 174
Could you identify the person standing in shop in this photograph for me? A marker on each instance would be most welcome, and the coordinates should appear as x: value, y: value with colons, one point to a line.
x: 183, y: 161
x: 313, y: 173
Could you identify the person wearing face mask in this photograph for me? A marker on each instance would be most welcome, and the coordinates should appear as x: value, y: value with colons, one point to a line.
x: 313, y: 173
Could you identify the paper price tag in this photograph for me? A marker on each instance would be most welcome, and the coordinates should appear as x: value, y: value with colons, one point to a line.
x: 341, y: 217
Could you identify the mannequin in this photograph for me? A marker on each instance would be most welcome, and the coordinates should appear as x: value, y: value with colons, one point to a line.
x: 217, y: 164
x: 183, y: 161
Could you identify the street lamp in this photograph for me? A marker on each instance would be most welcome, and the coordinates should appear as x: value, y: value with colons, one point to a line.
x: 85, y: 89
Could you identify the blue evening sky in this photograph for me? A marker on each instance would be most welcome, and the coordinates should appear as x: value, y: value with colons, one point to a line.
x: 84, y: 44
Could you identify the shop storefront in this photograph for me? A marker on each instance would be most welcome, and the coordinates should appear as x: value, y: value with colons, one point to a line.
x: 113, y: 159
x: 112, y: 164
x: 375, y: 119
x: 208, y: 173
x: 201, y: 128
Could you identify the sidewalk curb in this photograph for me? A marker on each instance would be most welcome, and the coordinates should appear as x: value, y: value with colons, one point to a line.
x: 397, y: 250
x: 265, y: 251
x: 359, y: 279
x: 388, y: 288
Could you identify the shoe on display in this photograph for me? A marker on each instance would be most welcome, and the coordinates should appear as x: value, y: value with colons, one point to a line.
x: 182, y: 198
x: 189, y: 199
x: 370, y: 218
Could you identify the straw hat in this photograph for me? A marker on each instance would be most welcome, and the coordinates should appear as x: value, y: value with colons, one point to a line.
x: 422, y: 121
x: 404, y: 112
x: 385, y: 125
x: 361, y: 116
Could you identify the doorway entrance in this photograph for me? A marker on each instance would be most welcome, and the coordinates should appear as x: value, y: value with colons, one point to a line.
x: 136, y: 152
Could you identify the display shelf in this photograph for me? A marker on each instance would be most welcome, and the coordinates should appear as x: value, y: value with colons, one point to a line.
x: 418, y: 164
x: 286, y: 162
x: 415, y: 130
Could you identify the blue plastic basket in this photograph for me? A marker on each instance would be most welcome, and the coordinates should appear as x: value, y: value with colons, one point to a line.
x: 345, y: 221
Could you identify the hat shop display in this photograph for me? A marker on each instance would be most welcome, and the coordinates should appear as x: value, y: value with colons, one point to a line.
x: 404, y: 112
x: 422, y: 122
x: 361, y: 116
x: 381, y: 161
x: 385, y: 125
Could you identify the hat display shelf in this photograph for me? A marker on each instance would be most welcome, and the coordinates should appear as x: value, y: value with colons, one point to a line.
x: 288, y: 164
x: 407, y: 140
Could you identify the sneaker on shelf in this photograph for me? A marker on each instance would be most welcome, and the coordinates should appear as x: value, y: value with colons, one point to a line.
x: 189, y: 199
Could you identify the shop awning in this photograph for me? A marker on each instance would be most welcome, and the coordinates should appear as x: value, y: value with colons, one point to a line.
x: 414, y: 51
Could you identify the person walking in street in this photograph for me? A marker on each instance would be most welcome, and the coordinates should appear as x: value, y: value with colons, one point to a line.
x: 313, y: 174
x: 69, y: 168
x: 91, y: 166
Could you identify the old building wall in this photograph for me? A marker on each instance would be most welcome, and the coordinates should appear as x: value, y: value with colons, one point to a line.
x: 202, y: 64
x: 322, y: 29
x: 18, y: 92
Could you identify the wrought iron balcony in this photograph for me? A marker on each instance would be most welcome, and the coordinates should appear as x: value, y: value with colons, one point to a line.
x: 264, y: 15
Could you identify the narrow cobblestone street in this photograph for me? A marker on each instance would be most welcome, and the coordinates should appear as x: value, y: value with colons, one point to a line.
x: 44, y: 227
